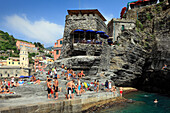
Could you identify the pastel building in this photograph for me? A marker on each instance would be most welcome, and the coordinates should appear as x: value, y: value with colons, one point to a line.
x: 31, y: 47
x: 23, y: 61
x: 13, y: 61
x: 16, y: 66
x: 57, y: 48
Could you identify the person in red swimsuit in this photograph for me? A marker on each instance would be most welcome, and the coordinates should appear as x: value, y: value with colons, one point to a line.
x: 121, y: 91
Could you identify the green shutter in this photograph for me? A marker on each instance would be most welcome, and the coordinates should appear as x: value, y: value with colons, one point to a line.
x: 57, y: 52
x: 123, y: 27
x: 61, y: 42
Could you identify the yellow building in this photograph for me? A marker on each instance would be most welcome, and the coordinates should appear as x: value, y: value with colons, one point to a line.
x: 23, y: 61
x: 12, y: 61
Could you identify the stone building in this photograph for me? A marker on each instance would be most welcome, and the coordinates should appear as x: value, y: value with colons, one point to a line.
x: 16, y: 71
x: 81, y: 20
x: 85, y: 41
x: 116, y: 26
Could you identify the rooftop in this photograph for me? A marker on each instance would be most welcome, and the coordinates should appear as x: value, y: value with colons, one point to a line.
x: 91, y: 11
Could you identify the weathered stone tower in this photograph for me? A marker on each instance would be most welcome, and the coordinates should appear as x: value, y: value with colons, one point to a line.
x: 24, y: 61
x: 81, y: 19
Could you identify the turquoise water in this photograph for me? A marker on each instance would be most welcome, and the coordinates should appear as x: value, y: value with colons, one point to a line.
x: 144, y: 104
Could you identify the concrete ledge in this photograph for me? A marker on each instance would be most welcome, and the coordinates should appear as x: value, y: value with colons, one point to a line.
x: 62, y: 106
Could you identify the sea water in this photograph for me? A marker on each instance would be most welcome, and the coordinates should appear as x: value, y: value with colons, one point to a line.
x: 144, y: 103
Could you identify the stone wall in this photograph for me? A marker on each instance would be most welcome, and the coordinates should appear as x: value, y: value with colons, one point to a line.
x: 9, y: 71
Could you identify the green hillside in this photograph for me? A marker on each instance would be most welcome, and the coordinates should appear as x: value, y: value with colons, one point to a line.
x: 7, y: 42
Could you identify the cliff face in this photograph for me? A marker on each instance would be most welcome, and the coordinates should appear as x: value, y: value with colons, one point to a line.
x: 142, y: 53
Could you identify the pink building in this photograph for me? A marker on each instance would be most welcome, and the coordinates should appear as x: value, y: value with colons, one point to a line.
x: 31, y: 47
x: 57, y: 48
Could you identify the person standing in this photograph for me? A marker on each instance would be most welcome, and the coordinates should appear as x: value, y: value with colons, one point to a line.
x: 79, y: 86
x: 121, y: 91
x: 73, y: 89
x: 69, y: 89
x: 98, y: 86
x: 55, y: 72
x: 49, y: 89
x: 55, y: 85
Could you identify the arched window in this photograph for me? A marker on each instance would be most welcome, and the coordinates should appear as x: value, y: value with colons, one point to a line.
x: 8, y: 75
x: 1, y: 74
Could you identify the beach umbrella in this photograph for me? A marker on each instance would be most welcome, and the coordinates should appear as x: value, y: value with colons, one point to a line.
x: 79, y: 31
x: 100, y: 32
x: 91, y: 31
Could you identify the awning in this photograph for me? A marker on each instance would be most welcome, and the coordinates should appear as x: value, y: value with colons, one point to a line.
x: 104, y: 36
x: 100, y: 32
x: 78, y: 30
x: 90, y: 31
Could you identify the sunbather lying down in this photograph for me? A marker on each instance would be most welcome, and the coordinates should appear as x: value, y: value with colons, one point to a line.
x: 5, y: 90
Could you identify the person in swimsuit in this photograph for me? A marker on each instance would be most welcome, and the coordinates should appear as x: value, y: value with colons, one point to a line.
x: 62, y: 70
x: 74, y: 75
x: 73, y: 89
x: 69, y: 88
x: 121, y: 91
x: 55, y: 85
x: 38, y: 81
x: 155, y: 101
x: 82, y: 73
x: 49, y: 87
x: 113, y: 89
x: 79, y: 87
x: 79, y: 75
x: 6, y: 90
x: 97, y: 85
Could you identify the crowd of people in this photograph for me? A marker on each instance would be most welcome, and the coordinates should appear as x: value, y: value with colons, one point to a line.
x: 74, y: 85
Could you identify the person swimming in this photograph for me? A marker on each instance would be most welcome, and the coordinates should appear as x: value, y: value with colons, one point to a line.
x: 155, y: 101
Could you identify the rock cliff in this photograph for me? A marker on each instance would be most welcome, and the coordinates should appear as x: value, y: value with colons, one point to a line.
x: 138, y: 58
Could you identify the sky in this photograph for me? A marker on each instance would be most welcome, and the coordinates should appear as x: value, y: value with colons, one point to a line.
x: 43, y: 20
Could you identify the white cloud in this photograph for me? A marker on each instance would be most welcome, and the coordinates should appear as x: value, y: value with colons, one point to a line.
x: 108, y: 18
x: 42, y: 30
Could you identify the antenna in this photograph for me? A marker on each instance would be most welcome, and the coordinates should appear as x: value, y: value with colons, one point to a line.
x: 79, y: 4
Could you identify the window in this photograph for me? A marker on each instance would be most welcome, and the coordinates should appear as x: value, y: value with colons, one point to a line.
x: 12, y: 62
x: 9, y: 62
x: 123, y: 27
x: 1, y: 75
x: 18, y: 62
x: 8, y: 75
x: 23, y: 58
x: 61, y: 42
x: 57, y: 52
x: 16, y: 75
